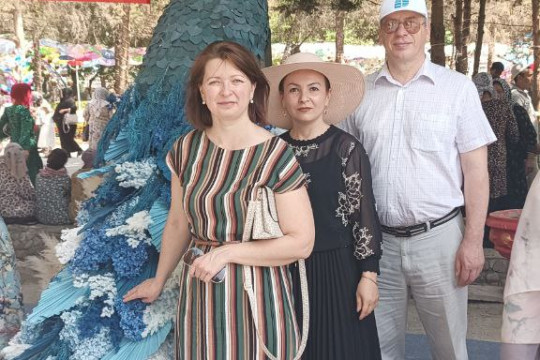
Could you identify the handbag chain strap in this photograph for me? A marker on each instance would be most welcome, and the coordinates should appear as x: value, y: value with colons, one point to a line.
x: 248, y: 287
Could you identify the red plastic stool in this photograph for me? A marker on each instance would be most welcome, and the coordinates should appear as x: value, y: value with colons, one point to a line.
x: 503, y: 225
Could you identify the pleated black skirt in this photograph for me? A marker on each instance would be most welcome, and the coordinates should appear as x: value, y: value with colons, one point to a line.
x: 335, y: 332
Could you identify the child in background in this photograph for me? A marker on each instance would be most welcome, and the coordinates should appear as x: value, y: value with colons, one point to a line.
x: 83, y: 189
x: 53, y: 190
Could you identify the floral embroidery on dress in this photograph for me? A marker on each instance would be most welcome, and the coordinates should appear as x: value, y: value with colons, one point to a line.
x: 362, y: 239
x: 345, y: 159
x: 349, y: 202
x: 304, y: 149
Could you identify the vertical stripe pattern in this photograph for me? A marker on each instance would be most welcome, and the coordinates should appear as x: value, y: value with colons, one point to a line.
x: 214, y: 321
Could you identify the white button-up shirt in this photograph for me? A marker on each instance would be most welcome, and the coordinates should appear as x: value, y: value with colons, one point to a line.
x: 414, y: 134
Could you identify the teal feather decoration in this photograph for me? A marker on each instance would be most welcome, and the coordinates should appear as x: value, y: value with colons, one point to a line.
x: 158, y: 213
x: 60, y: 296
x: 140, y: 350
x: 95, y: 172
x: 118, y: 148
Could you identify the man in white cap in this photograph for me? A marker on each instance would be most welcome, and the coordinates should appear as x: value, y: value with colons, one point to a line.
x: 521, y: 80
x: 426, y: 135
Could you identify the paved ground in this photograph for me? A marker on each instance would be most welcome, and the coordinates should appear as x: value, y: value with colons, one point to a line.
x: 483, y: 335
x: 484, y: 321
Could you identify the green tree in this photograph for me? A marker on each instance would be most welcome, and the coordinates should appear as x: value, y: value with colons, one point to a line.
x: 335, y: 20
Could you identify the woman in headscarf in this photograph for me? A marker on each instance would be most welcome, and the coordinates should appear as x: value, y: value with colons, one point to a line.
x: 517, y: 154
x: 18, y: 124
x: 66, y: 132
x: 17, y: 195
x: 43, y: 116
x: 97, y: 114
x: 504, y: 126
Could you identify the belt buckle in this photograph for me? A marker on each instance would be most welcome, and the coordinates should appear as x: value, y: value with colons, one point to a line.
x: 428, y: 226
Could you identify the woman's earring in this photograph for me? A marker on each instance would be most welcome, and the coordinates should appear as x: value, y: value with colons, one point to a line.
x: 204, y: 102
x: 251, y: 101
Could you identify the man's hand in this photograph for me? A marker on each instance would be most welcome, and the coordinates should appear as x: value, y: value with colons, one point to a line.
x: 469, y: 261
x: 470, y: 255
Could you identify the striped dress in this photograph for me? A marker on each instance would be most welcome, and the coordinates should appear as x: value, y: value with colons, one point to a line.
x: 214, y: 321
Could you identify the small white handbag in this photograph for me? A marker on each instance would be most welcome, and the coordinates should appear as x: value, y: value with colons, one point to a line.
x: 69, y: 119
x: 262, y: 223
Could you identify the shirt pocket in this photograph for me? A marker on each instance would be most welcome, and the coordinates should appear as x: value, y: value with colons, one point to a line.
x: 430, y: 132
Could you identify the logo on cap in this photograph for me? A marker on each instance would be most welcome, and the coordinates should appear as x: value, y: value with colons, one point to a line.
x: 401, y: 3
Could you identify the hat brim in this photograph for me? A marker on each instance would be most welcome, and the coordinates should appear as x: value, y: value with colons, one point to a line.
x: 346, y: 82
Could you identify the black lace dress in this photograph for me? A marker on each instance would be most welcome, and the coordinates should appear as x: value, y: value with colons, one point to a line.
x: 347, y: 243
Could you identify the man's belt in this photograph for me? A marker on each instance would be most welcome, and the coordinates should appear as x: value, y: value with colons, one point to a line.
x: 408, y: 231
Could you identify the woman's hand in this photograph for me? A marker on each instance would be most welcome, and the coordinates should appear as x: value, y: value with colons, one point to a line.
x: 206, y: 266
x: 367, y: 294
x: 64, y: 111
x: 148, y: 291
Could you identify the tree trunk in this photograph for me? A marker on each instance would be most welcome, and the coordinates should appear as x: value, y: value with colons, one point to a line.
x: 437, y: 32
x: 458, y: 35
x: 480, y: 36
x: 536, y: 51
x: 122, y: 51
x: 340, y: 35
x: 466, y: 34
x: 491, y: 47
x: 18, y: 27
x: 38, y: 77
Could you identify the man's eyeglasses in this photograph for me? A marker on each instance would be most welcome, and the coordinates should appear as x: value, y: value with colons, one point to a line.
x: 412, y: 25
x: 192, y: 253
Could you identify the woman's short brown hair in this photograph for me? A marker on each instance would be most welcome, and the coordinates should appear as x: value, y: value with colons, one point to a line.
x: 197, y: 113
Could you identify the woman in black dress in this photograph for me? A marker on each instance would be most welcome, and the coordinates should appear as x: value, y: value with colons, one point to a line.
x: 307, y: 96
x: 517, y: 152
x: 67, y: 132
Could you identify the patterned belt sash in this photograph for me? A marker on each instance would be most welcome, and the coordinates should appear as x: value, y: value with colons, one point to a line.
x: 199, y: 242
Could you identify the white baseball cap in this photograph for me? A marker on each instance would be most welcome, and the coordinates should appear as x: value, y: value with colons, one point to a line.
x: 391, y: 6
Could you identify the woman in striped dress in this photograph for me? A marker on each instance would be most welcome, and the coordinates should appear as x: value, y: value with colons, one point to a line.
x: 216, y: 169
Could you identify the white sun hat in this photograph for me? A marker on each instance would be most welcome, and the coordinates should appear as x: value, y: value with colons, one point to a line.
x: 346, y: 82
x: 391, y: 6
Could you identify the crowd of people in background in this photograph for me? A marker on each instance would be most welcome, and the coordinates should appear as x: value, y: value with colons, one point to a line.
x: 31, y: 193
x: 513, y: 158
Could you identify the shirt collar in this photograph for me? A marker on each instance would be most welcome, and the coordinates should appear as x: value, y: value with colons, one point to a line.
x: 522, y: 91
x: 427, y: 71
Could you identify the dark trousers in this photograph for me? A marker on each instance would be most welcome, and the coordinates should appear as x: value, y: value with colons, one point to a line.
x: 67, y: 139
